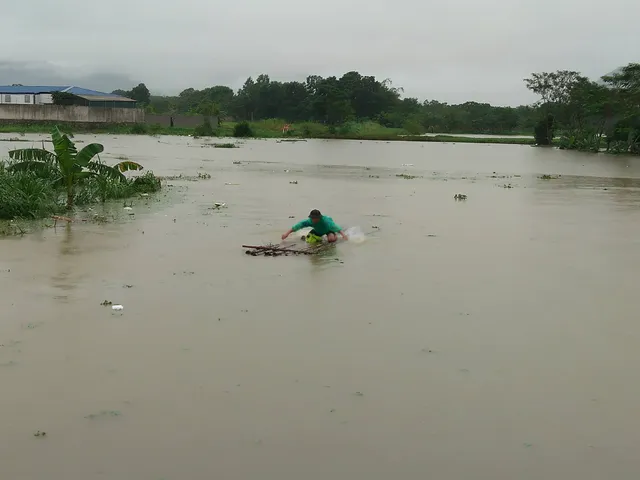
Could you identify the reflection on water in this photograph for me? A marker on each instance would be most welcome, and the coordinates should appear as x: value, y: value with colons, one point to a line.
x: 490, y: 338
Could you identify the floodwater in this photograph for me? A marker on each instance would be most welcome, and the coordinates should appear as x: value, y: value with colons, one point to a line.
x: 493, y: 338
x: 476, y: 135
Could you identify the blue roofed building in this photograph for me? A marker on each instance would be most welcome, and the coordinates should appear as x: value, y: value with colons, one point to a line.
x: 42, y: 95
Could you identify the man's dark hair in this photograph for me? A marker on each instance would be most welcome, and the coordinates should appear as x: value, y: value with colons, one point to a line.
x: 315, y: 214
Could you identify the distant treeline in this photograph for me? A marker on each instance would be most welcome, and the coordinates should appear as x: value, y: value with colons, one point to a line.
x: 580, y: 111
x: 335, y: 101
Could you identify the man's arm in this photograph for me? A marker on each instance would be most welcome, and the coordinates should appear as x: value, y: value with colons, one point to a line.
x: 296, y: 227
x: 337, y: 228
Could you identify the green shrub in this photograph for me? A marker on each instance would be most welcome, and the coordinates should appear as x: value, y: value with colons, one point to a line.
x: 155, y: 129
x: 242, y: 130
x: 204, y: 130
x: 345, y: 129
x: 139, y: 129
x: 413, y: 127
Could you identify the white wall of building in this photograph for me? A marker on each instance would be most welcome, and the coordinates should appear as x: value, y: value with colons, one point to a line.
x: 44, y: 99
x: 25, y: 99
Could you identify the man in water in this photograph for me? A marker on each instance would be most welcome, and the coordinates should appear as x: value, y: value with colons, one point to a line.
x: 321, y: 225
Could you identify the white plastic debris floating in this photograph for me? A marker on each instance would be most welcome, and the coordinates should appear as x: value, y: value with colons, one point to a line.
x: 128, y: 208
x: 117, y: 308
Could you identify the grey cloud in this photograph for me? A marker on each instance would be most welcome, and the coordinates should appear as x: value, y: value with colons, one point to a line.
x: 45, y: 74
x: 452, y: 51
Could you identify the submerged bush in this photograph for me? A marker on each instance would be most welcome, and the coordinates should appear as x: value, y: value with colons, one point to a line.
x: 242, y: 130
x: 35, y: 180
x: 147, y: 183
x: 30, y: 195
x: 101, y: 189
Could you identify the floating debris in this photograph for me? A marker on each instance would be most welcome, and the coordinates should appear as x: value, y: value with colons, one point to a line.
x: 406, y: 176
x: 204, y: 176
x: 294, y: 182
x: 549, y: 177
x: 104, y: 413
x: 57, y: 218
x: 106, y: 303
x: 117, y: 308
x: 40, y: 434
x: 460, y: 196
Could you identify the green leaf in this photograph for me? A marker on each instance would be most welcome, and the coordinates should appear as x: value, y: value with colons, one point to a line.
x: 85, y: 174
x: 65, y: 150
x: 85, y: 155
x: 33, y: 154
x: 127, y: 166
x: 30, y: 166
x: 105, y: 171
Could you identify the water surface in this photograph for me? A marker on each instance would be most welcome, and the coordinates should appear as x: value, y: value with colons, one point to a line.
x: 493, y: 338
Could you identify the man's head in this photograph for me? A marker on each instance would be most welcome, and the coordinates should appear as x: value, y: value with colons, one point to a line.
x: 315, y: 216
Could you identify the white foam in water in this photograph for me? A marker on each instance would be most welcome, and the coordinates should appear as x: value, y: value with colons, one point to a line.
x: 355, y: 234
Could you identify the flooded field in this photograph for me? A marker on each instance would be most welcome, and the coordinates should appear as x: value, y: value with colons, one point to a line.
x: 492, y: 338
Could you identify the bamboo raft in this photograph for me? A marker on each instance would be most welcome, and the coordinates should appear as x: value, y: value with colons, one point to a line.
x: 273, y: 250
x: 277, y: 250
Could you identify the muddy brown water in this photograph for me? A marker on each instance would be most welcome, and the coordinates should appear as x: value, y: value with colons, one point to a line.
x: 491, y: 338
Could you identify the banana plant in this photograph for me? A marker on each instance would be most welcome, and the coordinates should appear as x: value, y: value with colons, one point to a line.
x: 66, y: 165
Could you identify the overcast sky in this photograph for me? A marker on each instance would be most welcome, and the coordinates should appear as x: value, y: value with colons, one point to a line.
x: 451, y: 51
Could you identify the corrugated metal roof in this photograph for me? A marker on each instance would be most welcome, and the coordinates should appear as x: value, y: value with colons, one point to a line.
x: 26, y: 89
x: 31, y: 89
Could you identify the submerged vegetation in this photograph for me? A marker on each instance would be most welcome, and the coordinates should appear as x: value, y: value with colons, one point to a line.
x: 35, y: 182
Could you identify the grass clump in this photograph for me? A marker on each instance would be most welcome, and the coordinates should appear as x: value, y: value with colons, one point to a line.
x: 26, y: 195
